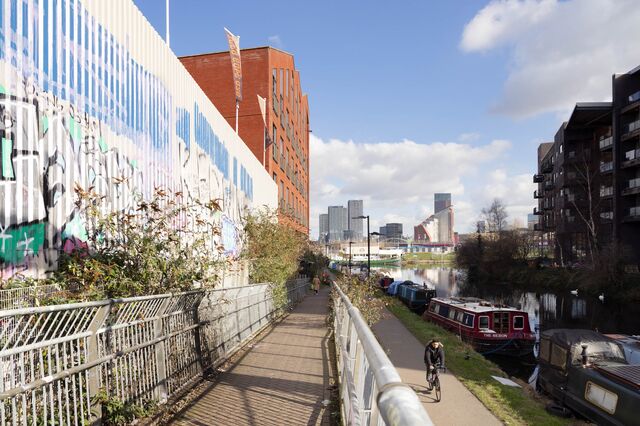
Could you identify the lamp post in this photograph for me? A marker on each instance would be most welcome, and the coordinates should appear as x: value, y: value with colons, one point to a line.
x: 350, y: 243
x: 368, y: 244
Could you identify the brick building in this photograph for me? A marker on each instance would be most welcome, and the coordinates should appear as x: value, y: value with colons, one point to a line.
x: 270, y: 73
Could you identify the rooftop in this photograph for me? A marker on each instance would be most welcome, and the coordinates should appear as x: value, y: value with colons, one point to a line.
x: 475, y: 304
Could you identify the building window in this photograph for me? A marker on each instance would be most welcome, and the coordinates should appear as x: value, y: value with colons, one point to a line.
x: 275, y: 177
x: 274, y: 84
x: 281, y: 85
x: 281, y: 153
x: 275, y: 142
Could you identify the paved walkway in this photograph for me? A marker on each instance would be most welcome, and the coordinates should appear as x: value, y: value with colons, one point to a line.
x: 283, y: 379
x: 458, y: 406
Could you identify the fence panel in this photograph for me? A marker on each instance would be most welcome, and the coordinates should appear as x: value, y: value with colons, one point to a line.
x: 23, y: 297
x: 55, y: 359
x: 371, y: 390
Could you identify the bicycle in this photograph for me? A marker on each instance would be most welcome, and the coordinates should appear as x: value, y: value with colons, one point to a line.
x: 433, y: 383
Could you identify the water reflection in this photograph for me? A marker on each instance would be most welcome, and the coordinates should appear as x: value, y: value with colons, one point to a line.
x: 546, y: 310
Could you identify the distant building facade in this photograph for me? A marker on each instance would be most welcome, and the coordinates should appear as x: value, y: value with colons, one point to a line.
x: 393, y: 231
x: 355, y: 208
x: 532, y: 219
x: 441, y: 201
x: 323, y: 227
x: 337, y: 223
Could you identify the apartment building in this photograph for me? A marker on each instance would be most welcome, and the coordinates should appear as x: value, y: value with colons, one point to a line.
x: 270, y: 73
x: 589, y: 176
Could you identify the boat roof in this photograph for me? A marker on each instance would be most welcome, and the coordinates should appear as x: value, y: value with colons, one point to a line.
x: 474, y: 304
x: 627, y: 373
x: 570, y: 337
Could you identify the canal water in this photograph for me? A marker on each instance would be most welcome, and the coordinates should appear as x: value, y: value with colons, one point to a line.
x: 546, y: 310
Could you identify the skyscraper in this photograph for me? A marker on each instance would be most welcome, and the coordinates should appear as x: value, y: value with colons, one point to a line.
x: 441, y: 201
x: 354, y: 209
x: 337, y: 222
x: 324, y: 227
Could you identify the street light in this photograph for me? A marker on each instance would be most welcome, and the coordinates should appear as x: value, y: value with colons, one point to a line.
x: 368, y: 244
x: 350, y: 242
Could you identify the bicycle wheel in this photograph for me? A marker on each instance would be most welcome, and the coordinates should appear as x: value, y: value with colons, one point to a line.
x: 436, y: 385
x: 429, y: 384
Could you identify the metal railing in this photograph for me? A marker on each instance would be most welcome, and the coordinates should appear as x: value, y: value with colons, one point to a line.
x: 55, y: 359
x: 371, y: 390
x: 23, y: 297
x: 606, y: 142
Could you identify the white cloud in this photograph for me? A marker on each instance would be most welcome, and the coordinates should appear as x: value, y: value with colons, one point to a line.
x: 397, y: 180
x: 562, y: 52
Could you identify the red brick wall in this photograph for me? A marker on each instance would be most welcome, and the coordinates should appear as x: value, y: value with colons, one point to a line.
x: 214, y: 75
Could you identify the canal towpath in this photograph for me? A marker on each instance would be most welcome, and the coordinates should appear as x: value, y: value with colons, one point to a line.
x: 458, y: 405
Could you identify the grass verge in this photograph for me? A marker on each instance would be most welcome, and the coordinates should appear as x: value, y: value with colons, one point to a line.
x: 513, y: 406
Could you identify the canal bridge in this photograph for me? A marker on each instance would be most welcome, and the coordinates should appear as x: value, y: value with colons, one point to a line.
x: 224, y: 356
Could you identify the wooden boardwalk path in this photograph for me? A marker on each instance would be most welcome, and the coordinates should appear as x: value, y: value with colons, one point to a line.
x: 282, y: 379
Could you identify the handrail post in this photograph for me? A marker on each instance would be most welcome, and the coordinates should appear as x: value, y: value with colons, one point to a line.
x: 93, y: 354
x: 161, y: 391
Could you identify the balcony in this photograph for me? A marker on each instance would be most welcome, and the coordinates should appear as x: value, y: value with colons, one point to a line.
x: 537, y: 212
x: 537, y: 194
x: 538, y: 178
x: 546, y: 167
x: 630, y: 128
x: 633, y: 187
x: 606, y: 166
x: 634, y: 215
x: 548, y: 185
x: 634, y: 97
x: 606, y: 191
x: 537, y: 227
x: 606, y: 143
x: 631, y: 158
x: 606, y: 216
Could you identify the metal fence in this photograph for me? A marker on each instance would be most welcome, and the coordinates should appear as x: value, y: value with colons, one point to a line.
x: 55, y: 359
x: 23, y: 297
x: 371, y: 390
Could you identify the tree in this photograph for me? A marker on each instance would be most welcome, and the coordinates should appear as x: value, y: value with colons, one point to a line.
x: 495, y: 216
x: 587, y: 212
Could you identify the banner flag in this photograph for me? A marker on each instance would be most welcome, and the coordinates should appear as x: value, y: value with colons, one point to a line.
x: 263, y: 108
x: 234, y: 52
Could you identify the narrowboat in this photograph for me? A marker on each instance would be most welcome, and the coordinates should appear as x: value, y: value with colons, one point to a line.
x: 415, y: 296
x: 631, y: 345
x: 489, y: 328
x: 588, y: 372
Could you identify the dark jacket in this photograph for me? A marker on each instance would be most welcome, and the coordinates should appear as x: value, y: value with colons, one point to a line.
x: 433, y: 356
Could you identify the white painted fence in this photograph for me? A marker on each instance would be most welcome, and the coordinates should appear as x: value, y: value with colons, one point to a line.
x: 55, y: 359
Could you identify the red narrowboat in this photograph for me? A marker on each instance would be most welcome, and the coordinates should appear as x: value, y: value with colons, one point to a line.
x: 489, y: 328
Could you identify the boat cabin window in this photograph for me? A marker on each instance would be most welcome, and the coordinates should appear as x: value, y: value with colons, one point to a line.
x: 432, y: 307
x: 452, y: 314
x: 467, y: 320
x: 459, y: 315
x: 444, y: 311
x: 601, y: 397
x: 483, y: 322
x: 518, y: 322
x: 501, y: 322
x: 545, y: 349
x: 558, y: 356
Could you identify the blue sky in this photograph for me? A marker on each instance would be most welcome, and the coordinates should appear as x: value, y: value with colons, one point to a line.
x: 426, y: 96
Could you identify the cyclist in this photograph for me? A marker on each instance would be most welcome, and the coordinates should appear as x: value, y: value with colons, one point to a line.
x: 433, y: 356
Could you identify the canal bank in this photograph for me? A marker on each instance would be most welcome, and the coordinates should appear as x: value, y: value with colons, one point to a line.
x: 511, y: 405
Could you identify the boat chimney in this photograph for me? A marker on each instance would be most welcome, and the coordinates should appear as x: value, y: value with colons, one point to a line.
x: 585, y: 357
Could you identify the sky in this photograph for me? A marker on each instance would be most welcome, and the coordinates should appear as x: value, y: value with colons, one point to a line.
x: 409, y: 98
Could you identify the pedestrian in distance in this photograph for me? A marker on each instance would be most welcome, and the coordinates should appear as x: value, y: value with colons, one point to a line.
x: 316, y: 284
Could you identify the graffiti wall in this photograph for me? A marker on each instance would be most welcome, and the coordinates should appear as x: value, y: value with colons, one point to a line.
x: 91, y: 96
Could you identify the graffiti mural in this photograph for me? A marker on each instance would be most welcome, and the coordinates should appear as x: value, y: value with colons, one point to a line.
x: 79, y: 109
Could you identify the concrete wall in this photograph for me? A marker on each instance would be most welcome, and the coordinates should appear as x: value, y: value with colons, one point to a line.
x: 91, y: 96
